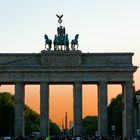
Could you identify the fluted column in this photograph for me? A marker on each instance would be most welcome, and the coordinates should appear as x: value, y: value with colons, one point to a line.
x: 19, y: 109
x: 44, y: 109
x: 128, y: 118
x: 77, y: 104
x: 135, y: 119
x: 102, y: 109
x: 138, y: 116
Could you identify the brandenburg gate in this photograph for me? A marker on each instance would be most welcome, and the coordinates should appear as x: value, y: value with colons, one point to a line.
x: 69, y: 66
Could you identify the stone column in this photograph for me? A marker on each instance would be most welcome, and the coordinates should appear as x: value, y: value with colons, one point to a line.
x: 128, y: 118
x: 77, y: 104
x: 138, y: 116
x: 44, y: 109
x: 135, y: 119
x: 19, y: 109
x: 102, y: 109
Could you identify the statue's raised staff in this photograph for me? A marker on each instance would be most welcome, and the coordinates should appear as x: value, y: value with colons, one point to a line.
x: 59, y: 19
x: 48, y: 42
x: 61, y: 39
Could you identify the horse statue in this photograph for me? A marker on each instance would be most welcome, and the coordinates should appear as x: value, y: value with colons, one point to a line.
x: 48, y: 42
x: 74, y: 42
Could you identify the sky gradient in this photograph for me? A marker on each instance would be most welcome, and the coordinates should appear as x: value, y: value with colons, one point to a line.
x: 102, y: 25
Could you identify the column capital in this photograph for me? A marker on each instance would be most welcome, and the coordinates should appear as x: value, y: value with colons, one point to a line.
x: 18, y: 82
x: 128, y: 82
x: 77, y: 82
x: 44, y: 82
x: 103, y: 81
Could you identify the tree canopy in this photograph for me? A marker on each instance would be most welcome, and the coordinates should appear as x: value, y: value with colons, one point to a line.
x: 115, y: 115
x: 137, y: 92
x: 6, y: 114
x: 54, y: 129
x: 90, y: 125
x: 32, y: 120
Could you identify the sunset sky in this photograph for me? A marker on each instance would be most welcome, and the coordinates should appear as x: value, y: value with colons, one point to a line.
x: 102, y: 25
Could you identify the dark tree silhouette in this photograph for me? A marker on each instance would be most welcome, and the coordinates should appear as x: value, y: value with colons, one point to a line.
x: 115, y: 115
x: 90, y: 125
x: 6, y: 114
x: 32, y: 119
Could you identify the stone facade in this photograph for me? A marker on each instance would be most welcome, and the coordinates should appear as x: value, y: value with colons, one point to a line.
x: 70, y: 67
x: 137, y: 114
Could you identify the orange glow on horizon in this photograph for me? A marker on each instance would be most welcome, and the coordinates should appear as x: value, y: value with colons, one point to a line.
x: 137, y: 80
x: 61, y: 99
x: 90, y: 101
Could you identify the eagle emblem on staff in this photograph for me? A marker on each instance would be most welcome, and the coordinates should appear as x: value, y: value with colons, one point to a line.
x: 59, y: 18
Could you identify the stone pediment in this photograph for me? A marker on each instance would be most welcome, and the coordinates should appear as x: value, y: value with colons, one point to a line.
x: 30, y: 61
x: 68, y: 59
x: 61, y: 58
x: 43, y: 59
